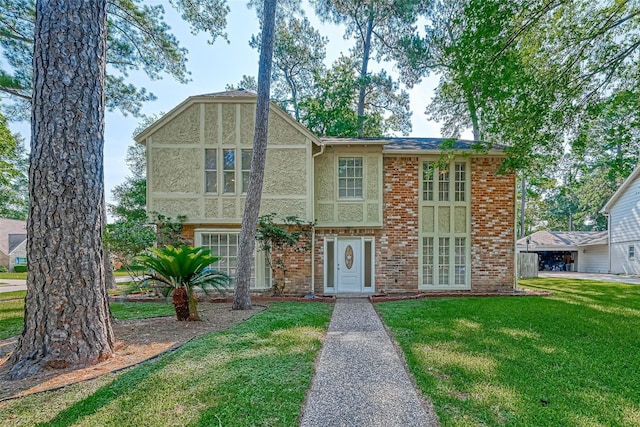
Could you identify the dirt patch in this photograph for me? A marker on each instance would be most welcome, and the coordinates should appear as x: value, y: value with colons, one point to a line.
x: 138, y: 340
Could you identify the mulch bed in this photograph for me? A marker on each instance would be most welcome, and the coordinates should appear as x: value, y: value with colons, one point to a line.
x: 138, y: 340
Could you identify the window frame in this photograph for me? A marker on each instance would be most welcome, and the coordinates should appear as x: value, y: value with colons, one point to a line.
x: 631, y: 251
x: 215, y: 170
x: 260, y: 280
x: 354, y: 178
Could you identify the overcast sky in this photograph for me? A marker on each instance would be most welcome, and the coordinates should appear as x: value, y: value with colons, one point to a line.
x: 214, y: 66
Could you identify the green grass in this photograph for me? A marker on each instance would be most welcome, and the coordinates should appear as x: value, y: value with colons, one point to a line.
x: 12, y: 311
x: 568, y: 360
x: 255, y: 374
x: 22, y: 276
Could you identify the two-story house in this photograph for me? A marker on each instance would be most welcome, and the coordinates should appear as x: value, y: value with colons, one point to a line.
x: 390, y: 214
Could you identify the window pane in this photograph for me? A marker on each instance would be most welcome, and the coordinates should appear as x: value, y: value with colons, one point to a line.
x: 427, y: 181
x: 211, y: 182
x: 460, y: 261
x: 427, y: 260
x: 329, y: 258
x: 368, y: 265
x: 246, y: 169
x: 443, y: 185
x: 350, y: 177
x: 461, y: 177
x: 443, y: 261
x: 210, y: 159
x: 229, y: 168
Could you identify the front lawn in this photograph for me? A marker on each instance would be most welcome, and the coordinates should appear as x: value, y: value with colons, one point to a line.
x: 12, y: 311
x: 18, y: 276
x: 567, y: 360
x: 257, y: 373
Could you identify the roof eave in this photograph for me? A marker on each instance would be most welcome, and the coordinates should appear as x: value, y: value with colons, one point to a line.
x: 607, y: 207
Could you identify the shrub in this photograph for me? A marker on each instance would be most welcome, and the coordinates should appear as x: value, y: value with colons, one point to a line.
x: 3, y: 269
x: 20, y: 268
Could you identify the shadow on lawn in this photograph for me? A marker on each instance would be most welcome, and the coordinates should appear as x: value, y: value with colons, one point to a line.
x: 254, y: 374
x: 569, y: 359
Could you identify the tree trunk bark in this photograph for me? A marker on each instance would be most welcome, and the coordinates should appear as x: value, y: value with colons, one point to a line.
x: 241, y: 297
x: 523, y: 204
x: 180, y: 299
x: 363, y: 72
x: 193, y: 305
x: 66, y: 322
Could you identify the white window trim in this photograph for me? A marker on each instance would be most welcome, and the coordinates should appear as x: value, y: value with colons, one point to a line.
x: 337, y: 176
x: 436, y: 203
x: 259, y: 261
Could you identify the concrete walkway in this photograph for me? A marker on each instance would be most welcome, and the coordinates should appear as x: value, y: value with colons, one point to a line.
x: 360, y: 379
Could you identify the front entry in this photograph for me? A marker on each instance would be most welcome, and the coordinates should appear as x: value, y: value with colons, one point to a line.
x: 349, y: 265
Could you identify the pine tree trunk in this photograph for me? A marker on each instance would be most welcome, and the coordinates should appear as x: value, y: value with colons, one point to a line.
x: 364, y: 71
x: 241, y: 297
x: 66, y: 311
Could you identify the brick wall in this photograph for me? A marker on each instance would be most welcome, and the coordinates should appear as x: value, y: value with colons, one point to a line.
x: 397, y: 248
x: 492, y: 227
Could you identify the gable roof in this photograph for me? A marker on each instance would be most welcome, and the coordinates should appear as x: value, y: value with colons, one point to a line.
x: 564, y: 239
x: 15, y: 240
x: 239, y: 95
x: 7, y: 227
x: 411, y: 144
x: 620, y: 191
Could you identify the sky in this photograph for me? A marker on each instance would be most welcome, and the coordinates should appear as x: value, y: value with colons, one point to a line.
x: 214, y: 66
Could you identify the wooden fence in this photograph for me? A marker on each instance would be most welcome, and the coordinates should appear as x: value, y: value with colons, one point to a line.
x: 527, y: 265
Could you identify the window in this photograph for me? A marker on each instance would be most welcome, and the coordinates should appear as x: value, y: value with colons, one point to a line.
x: 21, y: 260
x: 427, y: 181
x: 246, y: 169
x: 330, y: 263
x: 632, y: 252
x: 225, y: 246
x: 350, y: 178
x: 445, y: 225
x: 461, y: 178
x: 210, y: 171
x: 229, y: 171
x: 443, y: 184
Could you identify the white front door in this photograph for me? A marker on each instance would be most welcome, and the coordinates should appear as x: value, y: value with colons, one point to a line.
x: 349, y: 265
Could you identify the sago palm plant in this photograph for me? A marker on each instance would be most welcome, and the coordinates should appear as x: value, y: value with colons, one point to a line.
x: 179, y: 270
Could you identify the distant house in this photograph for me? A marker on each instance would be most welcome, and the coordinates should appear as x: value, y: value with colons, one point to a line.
x: 623, y: 210
x: 390, y: 213
x: 584, y: 251
x: 12, y: 234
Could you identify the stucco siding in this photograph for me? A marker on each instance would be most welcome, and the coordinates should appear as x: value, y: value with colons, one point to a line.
x: 625, y: 215
x: 176, y: 163
x: 182, y: 129
x: 593, y: 259
x: 620, y: 261
x: 176, y: 170
x: 330, y: 209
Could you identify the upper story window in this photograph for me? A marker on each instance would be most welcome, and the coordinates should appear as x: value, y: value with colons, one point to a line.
x: 350, y: 177
x: 246, y: 169
x: 436, y: 182
x: 231, y: 170
x: 632, y: 252
x: 210, y: 170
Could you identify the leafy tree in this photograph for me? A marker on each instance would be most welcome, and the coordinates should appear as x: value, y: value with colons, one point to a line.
x: 279, y: 241
x: 130, y: 197
x: 67, y: 319
x: 14, y: 164
x: 377, y: 27
x: 246, y: 244
x: 333, y: 110
x: 137, y: 39
x: 179, y: 271
x: 298, y: 55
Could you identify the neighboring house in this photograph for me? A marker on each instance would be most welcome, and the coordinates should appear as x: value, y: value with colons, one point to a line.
x: 9, y: 227
x: 389, y: 217
x: 17, y: 250
x: 623, y: 210
x: 586, y: 251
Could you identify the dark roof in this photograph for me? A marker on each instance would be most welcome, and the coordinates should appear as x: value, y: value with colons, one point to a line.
x: 565, y: 238
x: 414, y: 144
x: 236, y: 93
x: 15, y: 240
